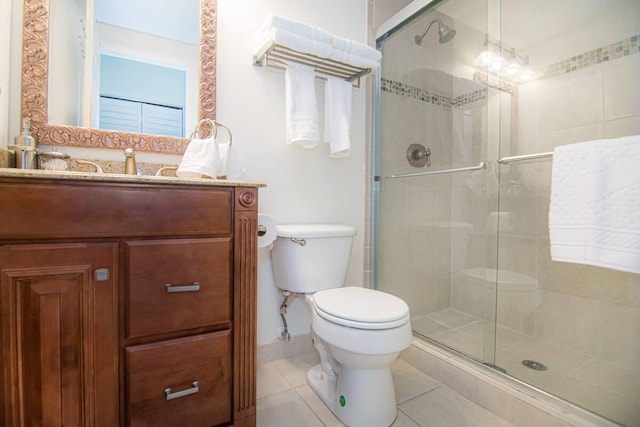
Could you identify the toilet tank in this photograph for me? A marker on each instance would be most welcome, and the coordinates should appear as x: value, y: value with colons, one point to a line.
x: 308, y: 258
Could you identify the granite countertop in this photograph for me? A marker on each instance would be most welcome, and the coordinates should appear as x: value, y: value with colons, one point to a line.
x: 118, y: 177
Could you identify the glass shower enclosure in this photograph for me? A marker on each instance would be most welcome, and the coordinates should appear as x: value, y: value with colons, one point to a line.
x: 472, y: 99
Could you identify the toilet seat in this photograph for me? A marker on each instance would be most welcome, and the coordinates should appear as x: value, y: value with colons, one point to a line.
x: 361, y: 308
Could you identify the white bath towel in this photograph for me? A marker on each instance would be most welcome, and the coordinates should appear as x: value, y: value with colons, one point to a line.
x: 299, y: 28
x: 353, y: 59
x: 200, y: 159
x: 293, y: 41
x: 594, y: 216
x: 356, y: 48
x: 337, y: 116
x: 300, y: 106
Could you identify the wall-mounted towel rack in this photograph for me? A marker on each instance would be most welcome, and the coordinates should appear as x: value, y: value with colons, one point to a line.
x: 276, y: 56
x: 480, y: 165
x: 505, y: 160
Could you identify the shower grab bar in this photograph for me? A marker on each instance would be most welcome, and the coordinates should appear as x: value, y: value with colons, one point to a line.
x: 505, y: 160
x: 481, y: 165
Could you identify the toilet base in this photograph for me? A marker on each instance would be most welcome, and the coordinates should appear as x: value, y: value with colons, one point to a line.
x: 357, y: 397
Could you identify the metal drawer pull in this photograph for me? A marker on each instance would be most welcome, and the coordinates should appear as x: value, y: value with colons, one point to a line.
x: 189, y: 288
x: 182, y: 393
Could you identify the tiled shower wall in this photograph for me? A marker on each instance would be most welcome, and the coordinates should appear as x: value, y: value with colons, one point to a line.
x: 590, y: 310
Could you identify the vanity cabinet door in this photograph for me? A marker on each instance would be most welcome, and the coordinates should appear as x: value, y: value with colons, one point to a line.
x: 59, y: 335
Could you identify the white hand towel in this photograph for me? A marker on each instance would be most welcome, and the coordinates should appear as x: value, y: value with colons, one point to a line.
x: 356, y: 48
x: 229, y: 165
x: 300, y: 105
x: 200, y: 159
x: 337, y: 116
x: 594, y: 216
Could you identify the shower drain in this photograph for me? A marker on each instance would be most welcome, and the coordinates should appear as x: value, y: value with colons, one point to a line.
x: 537, y: 366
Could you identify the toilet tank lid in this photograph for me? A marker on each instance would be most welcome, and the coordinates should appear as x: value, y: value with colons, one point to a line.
x: 307, y: 231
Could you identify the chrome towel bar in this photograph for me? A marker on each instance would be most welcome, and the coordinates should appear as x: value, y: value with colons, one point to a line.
x: 481, y: 165
x: 505, y: 160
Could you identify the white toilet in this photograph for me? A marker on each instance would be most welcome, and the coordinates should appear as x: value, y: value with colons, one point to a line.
x: 358, y: 332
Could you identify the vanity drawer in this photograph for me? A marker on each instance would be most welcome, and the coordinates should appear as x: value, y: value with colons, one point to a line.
x: 181, y: 382
x: 177, y: 284
x: 73, y: 209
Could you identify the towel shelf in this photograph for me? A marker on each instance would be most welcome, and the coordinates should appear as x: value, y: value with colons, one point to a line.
x: 277, y: 56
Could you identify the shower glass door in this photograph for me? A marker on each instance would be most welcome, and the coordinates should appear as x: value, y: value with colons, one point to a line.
x: 468, y: 247
x: 439, y: 122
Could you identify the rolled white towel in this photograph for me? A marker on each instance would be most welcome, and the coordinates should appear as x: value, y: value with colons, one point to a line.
x: 200, y: 159
x: 356, y: 48
x: 337, y: 116
x: 300, y: 106
x: 353, y: 59
x: 299, y: 28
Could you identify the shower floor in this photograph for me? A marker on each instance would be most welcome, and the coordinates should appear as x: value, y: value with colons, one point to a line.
x: 592, y: 383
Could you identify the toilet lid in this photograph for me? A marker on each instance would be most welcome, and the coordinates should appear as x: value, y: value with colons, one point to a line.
x: 361, y: 307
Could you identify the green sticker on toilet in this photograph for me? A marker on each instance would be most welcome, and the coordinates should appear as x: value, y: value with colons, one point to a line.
x: 343, y: 401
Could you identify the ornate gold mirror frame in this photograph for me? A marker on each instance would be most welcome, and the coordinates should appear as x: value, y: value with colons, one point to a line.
x: 35, y: 67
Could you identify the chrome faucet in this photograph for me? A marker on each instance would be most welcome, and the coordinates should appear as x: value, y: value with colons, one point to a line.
x: 130, y: 167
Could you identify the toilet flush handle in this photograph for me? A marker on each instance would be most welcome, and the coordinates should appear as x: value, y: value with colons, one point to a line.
x: 301, y: 242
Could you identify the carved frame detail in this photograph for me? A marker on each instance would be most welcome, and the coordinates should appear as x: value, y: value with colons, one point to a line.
x: 35, y: 68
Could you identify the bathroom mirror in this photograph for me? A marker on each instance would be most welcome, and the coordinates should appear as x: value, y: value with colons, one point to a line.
x: 36, y: 97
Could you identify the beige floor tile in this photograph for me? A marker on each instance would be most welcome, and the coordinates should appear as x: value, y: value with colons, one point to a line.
x: 404, y: 421
x: 609, y: 376
x: 294, y: 369
x: 318, y: 407
x: 410, y: 382
x: 553, y: 356
x: 461, y: 342
x: 426, y: 326
x: 285, y: 409
x: 270, y: 380
x: 443, y: 407
x: 452, y: 318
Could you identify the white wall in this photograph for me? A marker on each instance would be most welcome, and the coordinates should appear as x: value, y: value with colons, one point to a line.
x: 303, y: 186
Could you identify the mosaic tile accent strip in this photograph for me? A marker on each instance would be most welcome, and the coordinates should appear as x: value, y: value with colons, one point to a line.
x: 444, y: 101
x: 402, y: 89
x: 606, y: 53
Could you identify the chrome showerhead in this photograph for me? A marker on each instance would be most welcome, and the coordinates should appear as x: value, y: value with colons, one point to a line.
x: 445, y: 32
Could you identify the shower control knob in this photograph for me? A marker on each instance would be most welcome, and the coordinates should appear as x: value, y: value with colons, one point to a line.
x: 418, y: 156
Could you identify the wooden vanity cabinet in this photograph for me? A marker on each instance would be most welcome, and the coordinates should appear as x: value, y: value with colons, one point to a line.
x: 127, y: 303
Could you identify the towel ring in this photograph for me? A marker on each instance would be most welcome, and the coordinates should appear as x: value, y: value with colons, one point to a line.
x: 214, y: 125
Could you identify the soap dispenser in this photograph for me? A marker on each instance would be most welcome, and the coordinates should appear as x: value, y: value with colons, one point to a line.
x: 25, y: 148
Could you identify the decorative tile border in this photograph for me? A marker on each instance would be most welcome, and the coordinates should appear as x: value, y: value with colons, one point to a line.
x: 444, y: 101
x: 586, y: 59
x: 416, y: 93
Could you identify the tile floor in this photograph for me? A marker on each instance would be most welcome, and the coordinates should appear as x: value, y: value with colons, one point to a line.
x: 285, y: 399
x: 592, y: 383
